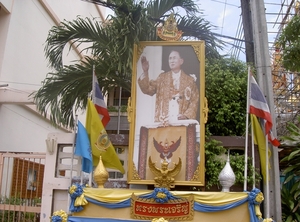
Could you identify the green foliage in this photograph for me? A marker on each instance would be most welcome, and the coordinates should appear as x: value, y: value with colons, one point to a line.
x: 112, y: 109
x: 115, y: 109
x: 290, y: 43
x: 215, y: 162
x: 237, y: 163
x: 290, y: 204
x: 290, y: 193
x: 10, y: 216
x: 226, y: 92
x: 110, y: 48
x: 293, y: 138
x: 124, y: 109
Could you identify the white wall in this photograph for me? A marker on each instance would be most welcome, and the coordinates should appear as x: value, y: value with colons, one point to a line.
x: 23, y: 32
x: 24, y: 27
x: 22, y: 130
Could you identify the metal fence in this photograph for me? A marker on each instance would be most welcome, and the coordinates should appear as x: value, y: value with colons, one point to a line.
x: 21, y: 177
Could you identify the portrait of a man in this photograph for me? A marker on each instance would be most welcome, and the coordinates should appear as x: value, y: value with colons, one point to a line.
x: 167, y: 111
x: 177, y: 95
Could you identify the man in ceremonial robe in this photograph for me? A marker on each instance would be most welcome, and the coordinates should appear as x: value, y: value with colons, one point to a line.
x: 177, y: 95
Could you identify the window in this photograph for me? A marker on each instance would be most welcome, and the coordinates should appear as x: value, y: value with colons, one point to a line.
x: 114, y: 97
x: 31, y: 180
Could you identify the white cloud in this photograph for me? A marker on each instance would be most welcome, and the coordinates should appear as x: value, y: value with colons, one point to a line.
x: 223, y: 16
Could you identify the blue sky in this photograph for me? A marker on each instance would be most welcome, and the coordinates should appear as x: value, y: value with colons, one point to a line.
x: 226, y: 16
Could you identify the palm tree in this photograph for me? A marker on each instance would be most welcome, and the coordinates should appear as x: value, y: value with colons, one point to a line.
x: 110, y: 50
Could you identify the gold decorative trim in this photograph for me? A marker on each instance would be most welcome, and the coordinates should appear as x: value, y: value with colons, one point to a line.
x: 197, y: 50
x: 205, y: 110
x: 196, y: 174
x: 129, y: 110
x: 159, y: 220
x: 140, y: 50
x: 169, y: 31
x: 135, y: 176
x: 148, y: 208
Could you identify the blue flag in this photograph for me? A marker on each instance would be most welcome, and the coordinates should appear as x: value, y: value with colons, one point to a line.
x: 83, y: 148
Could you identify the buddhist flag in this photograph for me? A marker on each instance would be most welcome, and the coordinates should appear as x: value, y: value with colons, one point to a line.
x: 83, y: 148
x: 260, y: 140
x: 100, y: 142
x: 259, y: 107
x: 99, y: 102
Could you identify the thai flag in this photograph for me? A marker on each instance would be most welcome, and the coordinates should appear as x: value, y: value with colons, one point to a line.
x: 259, y: 107
x: 99, y: 102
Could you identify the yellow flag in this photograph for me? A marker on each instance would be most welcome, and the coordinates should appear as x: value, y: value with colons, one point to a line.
x: 260, y: 141
x: 99, y: 140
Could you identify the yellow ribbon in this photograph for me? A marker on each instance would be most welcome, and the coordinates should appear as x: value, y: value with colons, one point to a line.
x: 62, y: 214
x: 72, y: 189
x: 161, y: 195
x: 80, y: 201
x: 257, y: 212
x: 259, y: 198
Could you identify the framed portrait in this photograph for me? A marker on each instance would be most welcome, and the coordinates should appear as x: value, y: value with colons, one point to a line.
x: 168, y: 111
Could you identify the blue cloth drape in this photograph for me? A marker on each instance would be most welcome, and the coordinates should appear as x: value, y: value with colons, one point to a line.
x: 251, y: 199
x: 85, y: 219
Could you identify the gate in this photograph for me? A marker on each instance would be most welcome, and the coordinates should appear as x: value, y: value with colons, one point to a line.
x: 21, y: 183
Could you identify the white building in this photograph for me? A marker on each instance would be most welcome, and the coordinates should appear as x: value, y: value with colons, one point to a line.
x: 24, y: 27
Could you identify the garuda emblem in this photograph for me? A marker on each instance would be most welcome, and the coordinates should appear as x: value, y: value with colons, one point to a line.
x: 164, y: 177
x: 166, y: 150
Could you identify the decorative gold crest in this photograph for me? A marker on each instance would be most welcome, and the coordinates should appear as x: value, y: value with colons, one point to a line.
x: 169, y: 31
x: 103, y: 141
x: 164, y: 177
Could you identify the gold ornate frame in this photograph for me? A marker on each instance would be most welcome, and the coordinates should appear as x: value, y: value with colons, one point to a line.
x: 141, y: 112
x: 179, y: 209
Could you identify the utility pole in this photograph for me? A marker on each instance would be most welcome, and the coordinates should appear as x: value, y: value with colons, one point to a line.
x: 248, y: 31
x: 263, y: 68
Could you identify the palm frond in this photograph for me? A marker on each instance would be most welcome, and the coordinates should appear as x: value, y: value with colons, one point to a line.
x: 108, y: 46
x: 157, y: 9
x: 60, y: 93
x: 77, y: 31
x: 198, y: 28
x: 65, y: 92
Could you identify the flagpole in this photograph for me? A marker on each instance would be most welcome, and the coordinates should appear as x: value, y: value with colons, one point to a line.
x: 253, y: 155
x: 119, y: 111
x: 72, y: 157
x: 93, y: 85
x: 267, y: 180
x: 73, y: 147
x: 247, y: 131
x: 93, y: 97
